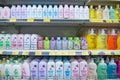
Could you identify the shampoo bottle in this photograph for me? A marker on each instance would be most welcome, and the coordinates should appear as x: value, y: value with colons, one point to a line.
x: 52, y: 44
x: 106, y: 13
x: 46, y: 43
x: 112, y: 13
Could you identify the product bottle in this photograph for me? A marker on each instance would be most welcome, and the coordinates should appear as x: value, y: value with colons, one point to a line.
x: 6, y: 12
x: 2, y: 41
x: 1, y: 70
x: 83, y: 45
x: 101, y: 40
x: 81, y: 12
x: 33, y: 41
x: 106, y: 13
x: 61, y: 12
x: 66, y: 11
x: 39, y: 12
x: 76, y: 43
x: 92, y: 14
x: 58, y: 43
x: 64, y: 43
x: 86, y: 13
x: 20, y: 41
x: 112, y: 40
x: 34, y: 11
x: 40, y: 43
x: 14, y: 41
x: 29, y: 12
x: 83, y: 66
x: 1, y: 12
x: 107, y: 60
x: 102, y: 70
x: 52, y: 44
x: 27, y: 43
x: 112, y: 70
x: 118, y: 68
x: 118, y: 41
x: 50, y: 12
x: 45, y: 11
x: 24, y: 12
x: 117, y: 12
x: 18, y: 12
x: 77, y: 12
x: 46, y: 43
x: 13, y: 11
x: 112, y: 13
x: 72, y: 12
x: 92, y: 68
x: 70, y: 43
x: 55, y: 12
x: 91, y: 40
x: 99, y: 13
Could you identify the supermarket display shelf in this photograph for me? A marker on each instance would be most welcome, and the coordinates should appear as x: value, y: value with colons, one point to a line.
x: 59, y: 52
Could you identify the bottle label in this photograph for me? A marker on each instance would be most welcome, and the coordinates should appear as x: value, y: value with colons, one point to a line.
x: 75, y: 71
x: 83, y: 70
x: 42, y: 70
x: 112, y: 42
x: 24, y: 74
x: 50, y: 73
x: 16, y: 74
x: 61, y: 13
x: 7, y: 73
x: 91, y: 39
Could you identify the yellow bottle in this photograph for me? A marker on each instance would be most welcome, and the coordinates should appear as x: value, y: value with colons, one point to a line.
x: 118, y: 41
x: 117, y: 12
x: 101, y: 42
x: 92, y: 12
x: 91, y: 40
x: 99, y: 13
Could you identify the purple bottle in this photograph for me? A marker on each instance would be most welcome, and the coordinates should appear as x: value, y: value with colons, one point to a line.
x: 52, y: 43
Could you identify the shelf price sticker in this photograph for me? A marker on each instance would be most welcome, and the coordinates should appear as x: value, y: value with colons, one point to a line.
x: 96, y: 20
x: 72, y: 53
x: 116, y: 21
x: 30, y: 20
x: 109, y: 21
x: 52, y: 53
x: 15, y: 52
x: 1, y: 52
x: 117, y: 52
x: 84, y: 52
x: 46, y: 20
x: 93, y: 52
x: 107, y: 52
x: 25, y: 53
x: 38, y: 53
x: 12, y: 20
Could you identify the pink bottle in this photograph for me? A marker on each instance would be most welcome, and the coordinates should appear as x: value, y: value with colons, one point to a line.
x: 60, y: 12
x: 40, y: 43
x: 66, y: 11
x: 20, y: 41
x: 14, y: 41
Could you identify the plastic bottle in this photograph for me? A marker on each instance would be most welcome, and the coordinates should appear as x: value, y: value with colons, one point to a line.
x: 45, y: 11
x: 66, y: 11
x: 106, y: 13
x: 92, y: 68
x: 29, y: 12
x: 77, y: 12
x: 70, y: 43
x: 40, y: 43
x: 83, y: 45
x: 39, y: 12
x: 86, y: 13
x: 92, y: 14
x: 34, y: 38
x: 112, y: 13
x: 117, y: 12
x: 75, y: 70
x: 99, y: 13
x: 1, y: 70
x: 34, y: 11
x: 1, y: 12
x: 102, y: 40
x: 20, y: 41
x: 6, y: 12
x: 112, y: 70
x: 91, y: 40
x: 34, y: 67
x: 58, y: 43
x: 18, y: 12
x: 67, y: 69
x: 102, y: 70
x: 55, y: 12
x: 52, y: 43
x: 118, y: 68
x: 76, y: 43
x: 14, y: 41
x: 42, y: 70
x: 118, y: 41
x: 13, y: 11
x: 61, y: 12
x: 24, y: 12
x: 107, y: 60
x: 112, y: 40
x: 81, y: 12
x: 50, y: 12
x: 2, y: 41
x: 72, y: 12
x: 83, y: 66
x: 64, y: 43
x: 27, y: 43
x: 46, y: 43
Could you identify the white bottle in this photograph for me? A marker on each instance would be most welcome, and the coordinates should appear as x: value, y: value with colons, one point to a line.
x: 1, y: 12
x: 83, y: 66
x: 43, y: 70
x: 14, y: 41
x: 77, y: 12
x: 29, y: 11
x: 24, y: 12
x: 106, y: 13
x: 26, y: 70
x: 18, y: 12
x: 8, y: 41
x: 34, y: 11
x: 64, y: 43
x: 33, y: 41
x: 20, y: 41
x: 34, y: 70
x: 72, y: 12
x: 27, y: 43
x: 17, y: 71
x: 81, y: 12
x: 6, y: 12
x: 92, y: 67
x: 39, y: 12
x: 45, y: 11
x: 75, y: 70
x: 2, y: 41
x: 86, y: 13
x: 66, y: 12
x: 55, y: 12
x: 50, y: 12
x: 61, y: 12
x: 13, y: 11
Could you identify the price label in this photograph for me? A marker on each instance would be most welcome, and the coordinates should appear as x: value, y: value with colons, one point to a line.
x: 25, y: 53
x: 46, y: 20
x: 94, y: 52
x: 117, y: 52
x: 84, y: 52
x: 107, y: 52
x: 38, y: 53
x: 96, y: 20
x: 108, y: 21
x: 52, y: 53
x: 1, y: 52
x: 15, y: 52
x: 115, y: 21
x: 71, y: 53
x: 12, y: 20
x: 30, y: 20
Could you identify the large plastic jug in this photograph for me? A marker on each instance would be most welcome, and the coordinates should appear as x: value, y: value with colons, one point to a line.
x: 45, y: 11
x: 6, y: 12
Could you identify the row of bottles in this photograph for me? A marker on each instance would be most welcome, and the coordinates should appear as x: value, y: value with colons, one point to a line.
x: 59, y: 12
x: 58, y: 68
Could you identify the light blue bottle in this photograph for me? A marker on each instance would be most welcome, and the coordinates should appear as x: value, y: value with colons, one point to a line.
x: 45, y: 11
x: 64, y: 43
x: 58, y: 43
x: 112, y: 70
x: 55, y: 12
x: 70, y: 43
x: 112, y: 13
x: 50, y: 11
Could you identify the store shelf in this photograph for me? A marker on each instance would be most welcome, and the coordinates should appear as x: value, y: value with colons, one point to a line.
x: 59, y: 52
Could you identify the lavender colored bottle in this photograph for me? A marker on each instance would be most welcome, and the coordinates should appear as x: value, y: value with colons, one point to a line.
x: 64, y: 43
x: 52, y: 43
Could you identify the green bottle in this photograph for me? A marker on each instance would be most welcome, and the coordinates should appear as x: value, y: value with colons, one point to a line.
x: 76, y: 43
x: 102, y: 70
x: 46, y: 43
x: 112, y: 13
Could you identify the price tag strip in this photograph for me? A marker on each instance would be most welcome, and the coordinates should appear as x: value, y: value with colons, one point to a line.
x: 25, y: 52
x: 12, y: 20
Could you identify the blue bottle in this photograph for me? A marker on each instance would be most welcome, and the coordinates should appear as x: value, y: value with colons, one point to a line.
x: 58, y: 43
x: 112, y: 13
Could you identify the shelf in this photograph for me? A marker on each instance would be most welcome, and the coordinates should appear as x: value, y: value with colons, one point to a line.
x: 59, y: 52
